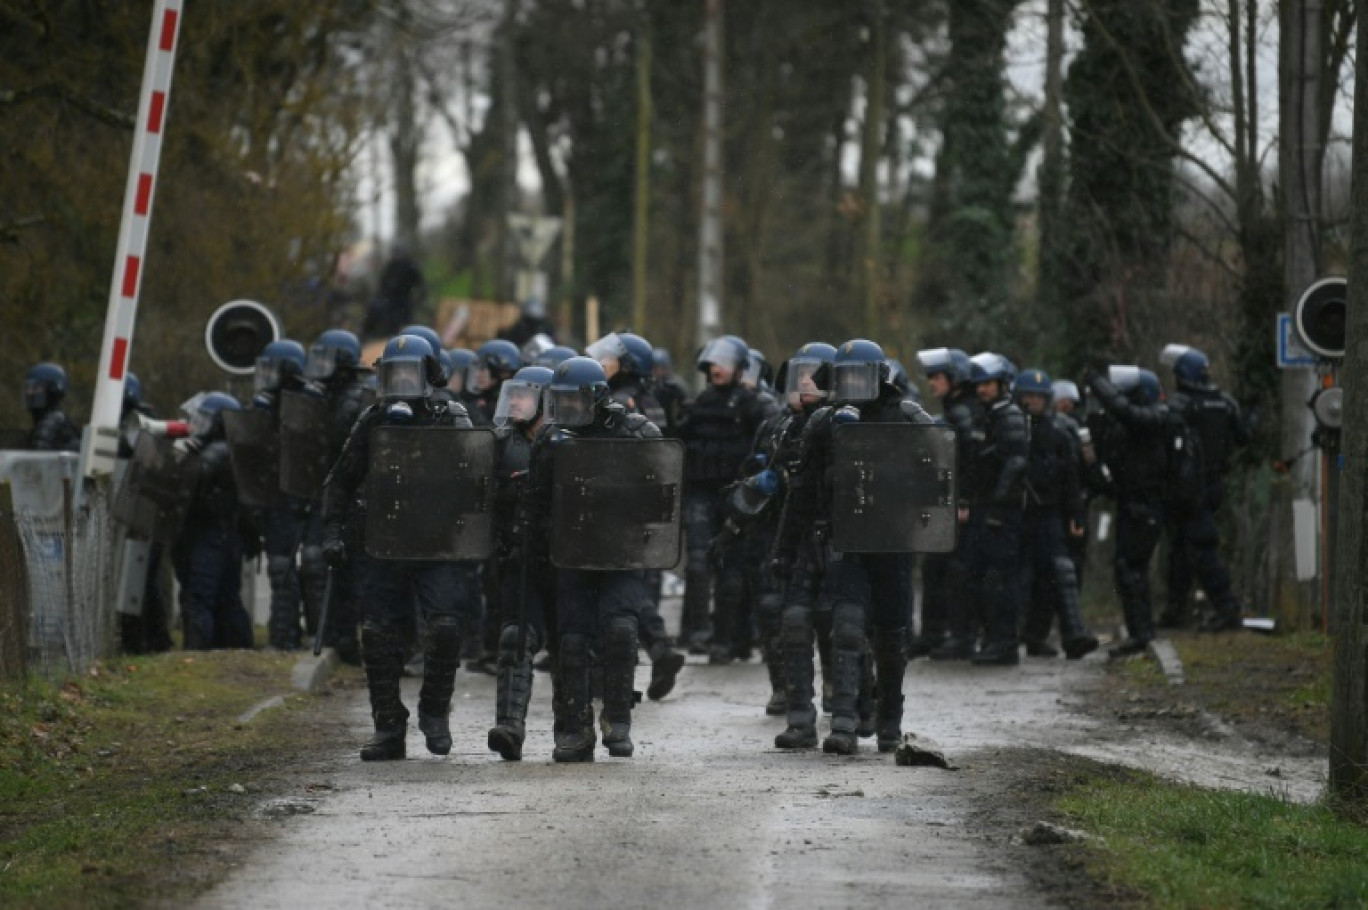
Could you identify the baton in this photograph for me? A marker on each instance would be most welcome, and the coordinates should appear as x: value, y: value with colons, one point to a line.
x: 323, y: 613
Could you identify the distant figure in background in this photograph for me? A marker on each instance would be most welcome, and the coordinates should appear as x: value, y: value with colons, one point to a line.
x: 401, y: 291
x: 149, y: 632
x: 45, y: 385
x: 533, y: 321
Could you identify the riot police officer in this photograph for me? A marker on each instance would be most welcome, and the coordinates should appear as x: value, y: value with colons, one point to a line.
x: 45, y: 385
x: 553, y: 356
x: 333, y: 371
x: 1132, y: 434
x: 947, y: 374
x: 669, y: 389
x: 987, y: 568
x: 1054, y: 513
x: 1194, y: 541
x: 717, y: 431
x: 280, y: 367
x: 457, y: 362
x: 408, y: 371
x: 216, y: 537
x: 495, y: 361
x: 527, y: 586
x: 591, y: 605
x: 149, y: 632
x: 868, y: 591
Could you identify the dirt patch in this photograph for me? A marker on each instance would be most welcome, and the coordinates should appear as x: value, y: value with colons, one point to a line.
x: 1270, y: 691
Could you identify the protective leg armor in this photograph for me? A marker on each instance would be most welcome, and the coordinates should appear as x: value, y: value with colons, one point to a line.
x: 513, y: 687
x: 574, y: 712
x: 441, y: 659
x: 383, y: 647
x: 619, y: 670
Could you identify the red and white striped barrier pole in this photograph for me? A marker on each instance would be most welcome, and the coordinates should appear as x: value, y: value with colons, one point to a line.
x: 101, y: 446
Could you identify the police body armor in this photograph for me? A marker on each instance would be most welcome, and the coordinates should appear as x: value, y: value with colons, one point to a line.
x: 430, y: 493
x: 158, y: 486
x: 893, y: 488
x: 254, y: 446
x: 616, y: 504
x: 717, y: 434
x: 305, y: 444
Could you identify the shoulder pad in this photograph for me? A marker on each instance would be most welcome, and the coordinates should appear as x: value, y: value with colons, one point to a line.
x: 914, y: 412
x: 846, y: 414
x: 558, y: 435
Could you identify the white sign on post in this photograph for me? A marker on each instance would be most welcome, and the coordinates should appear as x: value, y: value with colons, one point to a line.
x: 535, y: 234
x: 1292, y: 353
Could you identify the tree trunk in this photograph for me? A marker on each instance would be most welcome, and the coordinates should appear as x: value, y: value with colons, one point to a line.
x: 641, y: 219
x: 403, y: 144
x: 1050, y: 176
x: 710, y: 219
x: 871, y: 150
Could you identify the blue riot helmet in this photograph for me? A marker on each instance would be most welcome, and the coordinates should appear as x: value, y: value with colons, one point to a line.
x: 45, y: 384
x: 520, y: 398
x: 1192, y: 370
x: 132, y: 399
x: 555, y: 356
x: 533, y: 347
x: 611, y: 353
x: 936, y: 360
x: 534, y: 308
x: 989, y: 367
x: 205, y: 413
x: 799, y: 377
x: 898, y: 378
x: 335, y: 349
x: 407, y: 368
x: 640, y: 359
x: 661, y: 361
x: 577, y: 387
x: 277, y: 362
x: 1032, y: 382
x: 759, y: 373
x: 857, y: 371
x: 457, y: 362
x: 728, y: 351
x: 495, y: 361
x: 1140, y: 386
x: 435, y: 342
x: 1065, y: 390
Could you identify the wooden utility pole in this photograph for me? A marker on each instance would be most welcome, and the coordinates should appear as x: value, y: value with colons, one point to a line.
x: 641, y: 220
x: 871, y: 151
x: 508, y: 79
x: 1349, y: 699
x: 710, y: 218
x: 1300, y: 62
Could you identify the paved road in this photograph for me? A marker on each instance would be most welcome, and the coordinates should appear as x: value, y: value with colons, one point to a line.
x: 707, y: 813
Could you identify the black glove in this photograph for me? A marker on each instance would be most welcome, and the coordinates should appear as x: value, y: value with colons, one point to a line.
x: 334, y: 551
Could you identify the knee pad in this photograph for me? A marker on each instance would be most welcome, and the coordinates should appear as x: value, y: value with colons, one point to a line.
x: 574, y: 650
x: 620, y: 639
x: 848, y: 626
x: 278, y: 568
x: 1066, y: 574
x: 508, y: 641
x: 795, y: 625
x: 311, y: 561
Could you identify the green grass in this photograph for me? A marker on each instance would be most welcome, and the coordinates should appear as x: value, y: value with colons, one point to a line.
x: 1186, y: 847
x: 109, y: 784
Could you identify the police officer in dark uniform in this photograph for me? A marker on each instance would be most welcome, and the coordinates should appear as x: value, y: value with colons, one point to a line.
x: 627, y: 361
x: 868, y: 592
x: 591, y: 606
x: 216, y: 537
x: 457, y: 362
x: 1131, y: 434
x: 987, y: 569
x: 150, y: 632
x: 947, y: 374
x: 717, y: 430
x: 531, y: 322
x: 495, y: 361
x: 45, y: 385
x: 669, y: 390
x: 333, y: 370
x: 1054, y: 513
x: 408, y: 371
x: 527, y: 586
x: 280, y: 367
x: 1194, y: 542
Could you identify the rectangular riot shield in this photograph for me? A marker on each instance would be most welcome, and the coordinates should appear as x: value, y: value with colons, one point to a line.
x: 305, y: 454
x: 617, y: 504
x: 430, y: 493
x: 254, y: 445
x: 157, y: 488
x: 893, y: 488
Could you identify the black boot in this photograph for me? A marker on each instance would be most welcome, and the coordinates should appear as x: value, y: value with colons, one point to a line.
x: 574, y: 712
x: 1077, y: 640
x: 513, y: 688
x: 845, y: 693
x: 619, y: 672
x: 441, y: 659
x: 666, y: 663
x: 952, y: 649
x: 890, y: 664
x: 693, y: 619
x: 998, y: 654
x: 778, y: 700
x: 1139, y: 627
x: 384, y: 662
x: 865, y: 703
x: 796, y: 651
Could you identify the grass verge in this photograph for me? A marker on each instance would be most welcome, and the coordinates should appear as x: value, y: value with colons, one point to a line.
x: 115, y: 786
x: 1176, y: 846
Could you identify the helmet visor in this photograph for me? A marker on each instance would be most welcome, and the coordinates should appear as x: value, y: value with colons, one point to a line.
x: 855, y: 381
x: 518, y: 404
x: 721, y: 352
x: 569, y: 407
x: 403, y: 379
x: 35, y: 395
x: 800, y: 381
x: 1124, y: 378
x: 751, y: 377
x: 536, y: 346
x: 267, y: 378
x: 456, y: 382
x: 936, y: 360
x: 322, y: 362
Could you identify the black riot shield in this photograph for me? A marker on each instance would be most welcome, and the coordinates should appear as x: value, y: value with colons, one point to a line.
x: 430, y: 493
x: 254, y: 444
x: 157, y: 488
x: 617, y: 504
x: 893, y: 488
x: 304, y: 447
